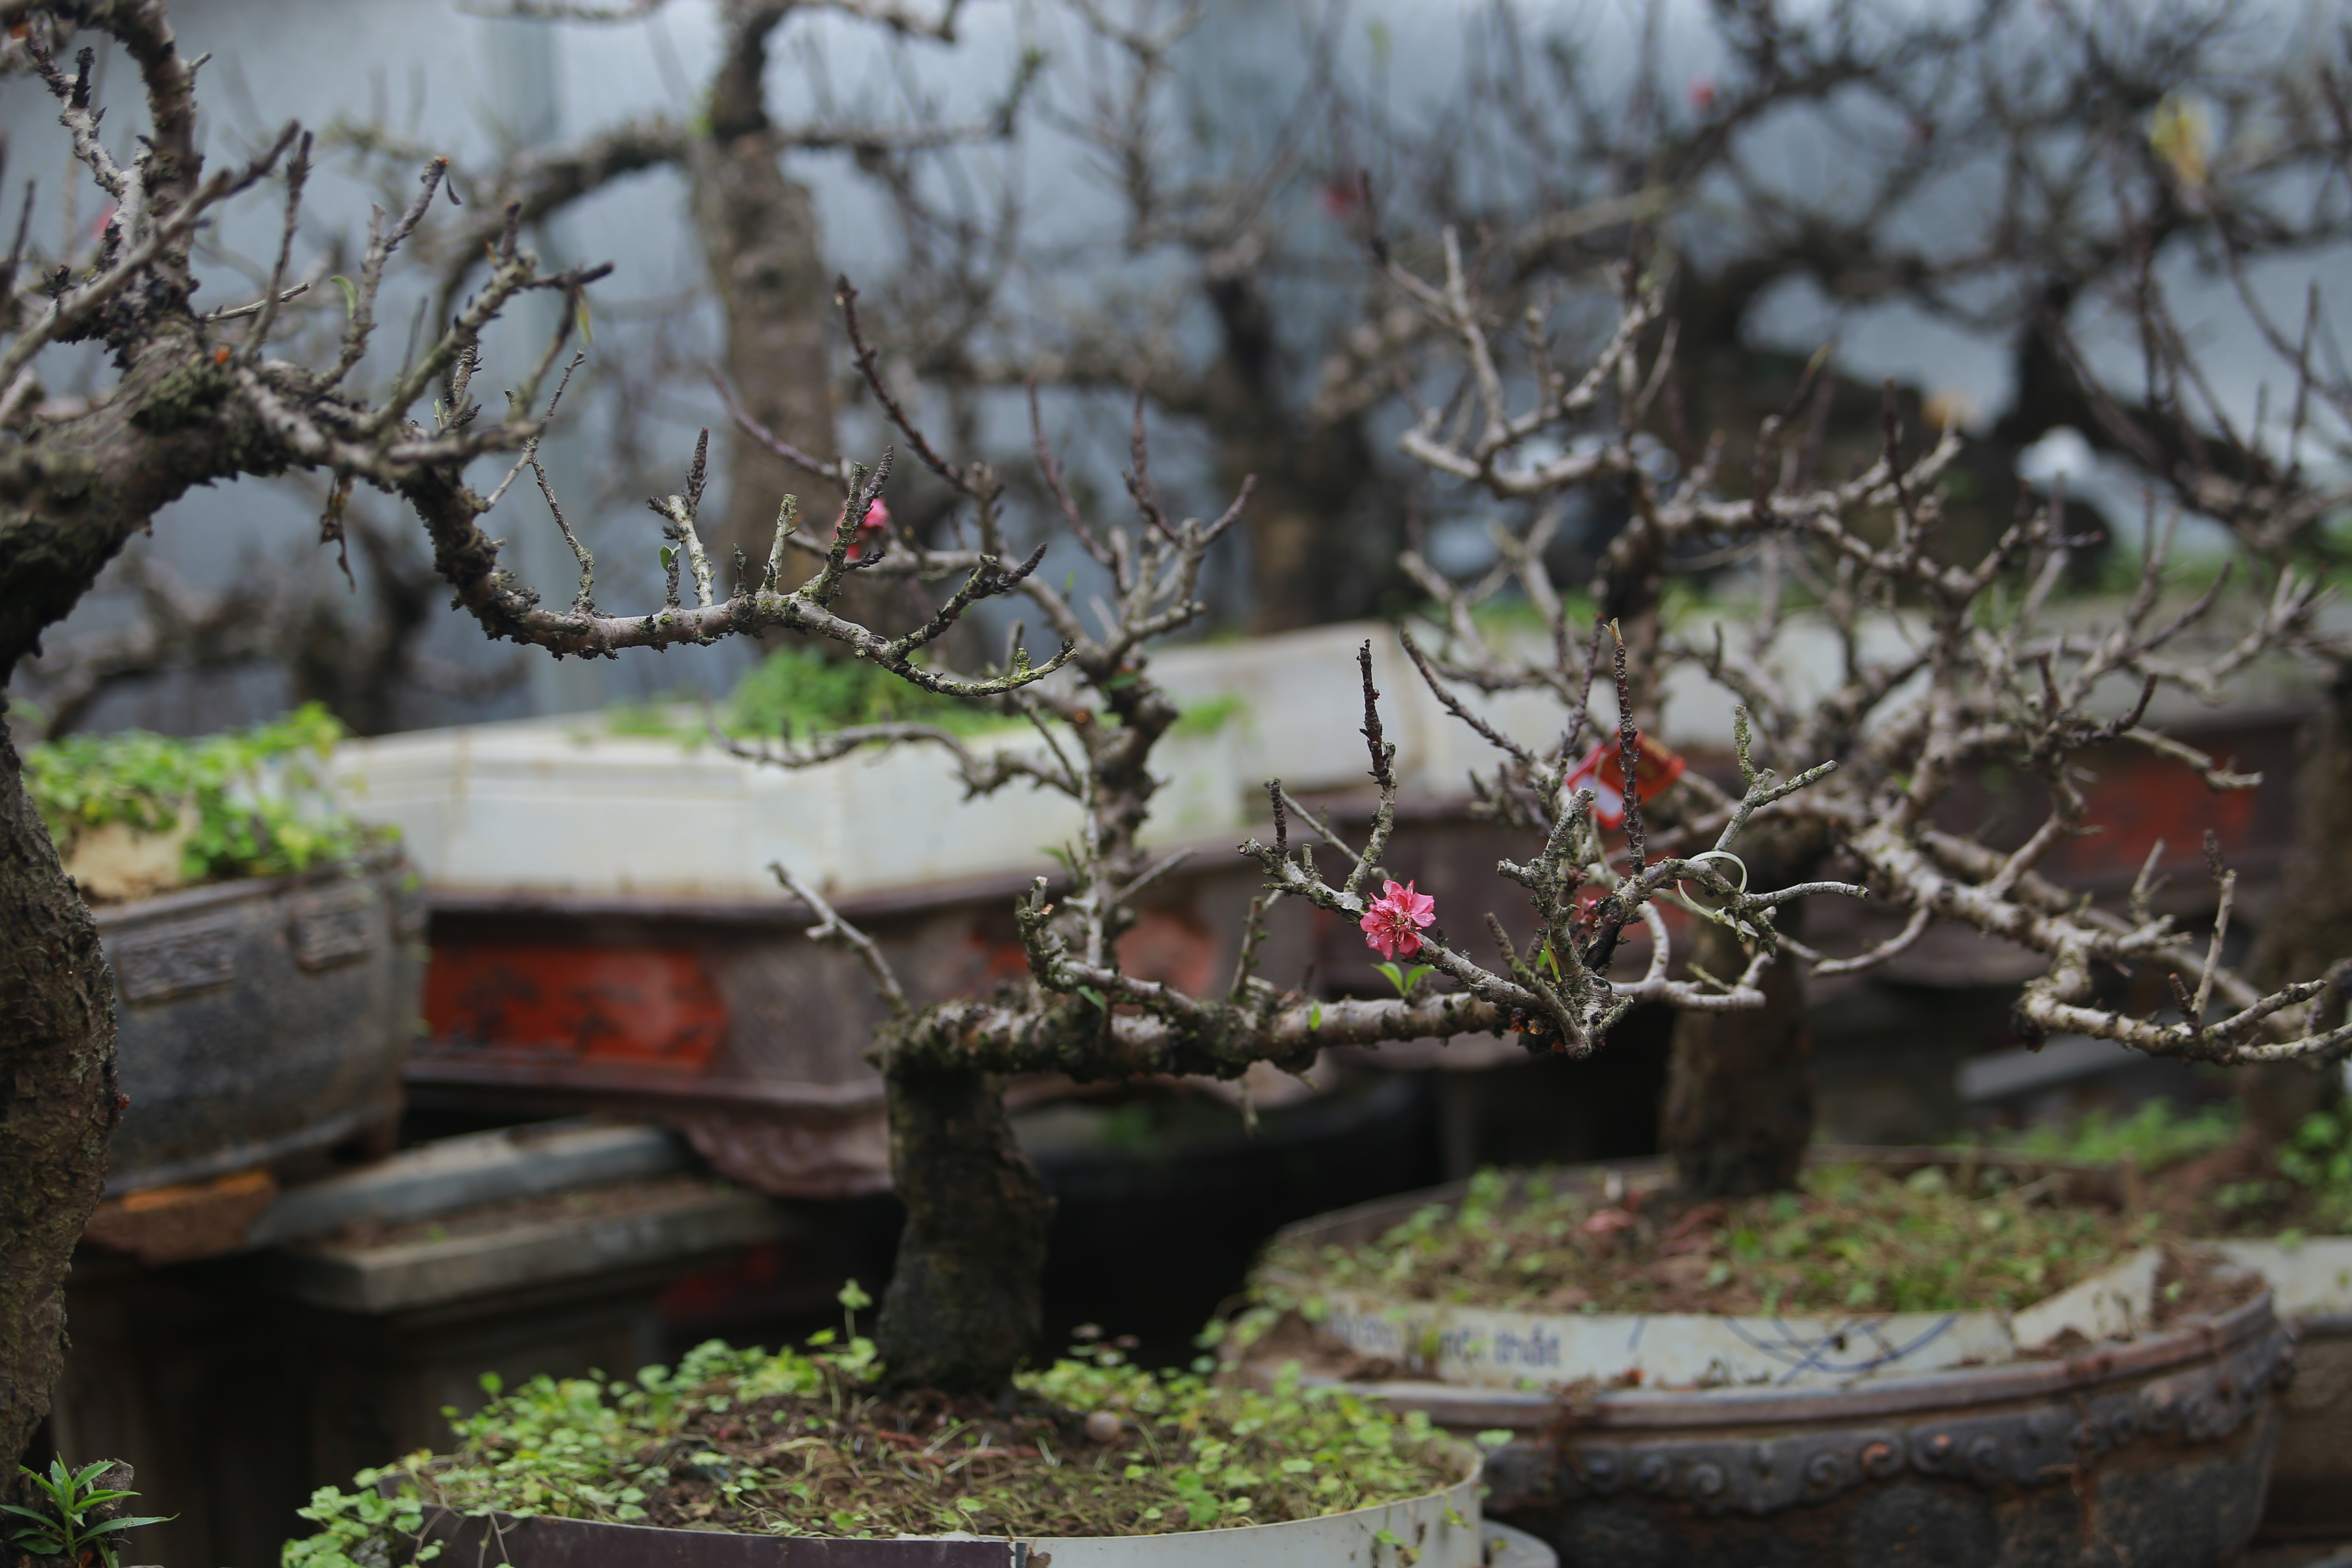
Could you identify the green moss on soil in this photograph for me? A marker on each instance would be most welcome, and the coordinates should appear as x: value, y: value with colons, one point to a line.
x: 1850, y: 1239
x: 801, y: 1444
x: 259, y: 797
x: 2208, y: 1177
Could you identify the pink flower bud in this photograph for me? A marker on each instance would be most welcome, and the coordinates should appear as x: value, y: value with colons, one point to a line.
x: 877, y: 524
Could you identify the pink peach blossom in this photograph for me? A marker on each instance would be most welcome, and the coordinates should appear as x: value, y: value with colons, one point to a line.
x: 1393, y: 926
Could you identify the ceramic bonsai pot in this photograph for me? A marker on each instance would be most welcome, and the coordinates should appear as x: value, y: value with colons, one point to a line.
x: 1436, y: 1530
x: 2132, y: 1445
x: 259, y: 1019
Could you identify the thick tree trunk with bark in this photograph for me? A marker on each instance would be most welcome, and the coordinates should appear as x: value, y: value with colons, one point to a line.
x: 2311, y: 927
x: 57, y: 1062
x: 965, y: 1304
x: 1740, y: 1086
x: 67, y: 504
x: 758, y: 229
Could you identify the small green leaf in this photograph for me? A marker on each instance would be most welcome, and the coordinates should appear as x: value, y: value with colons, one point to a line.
x: 1404, y: 980
x: 1313, y: 1018
x: 853, y: 1297
x: 131, y: 1523
x: 668, y: 558
x: 350, y: 295
x: 1095, y: 996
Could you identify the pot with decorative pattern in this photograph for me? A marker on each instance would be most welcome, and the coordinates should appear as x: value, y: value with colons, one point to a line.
x: 2151, y: 1452
x: 2151, y: 1447
x: 259, y: 1019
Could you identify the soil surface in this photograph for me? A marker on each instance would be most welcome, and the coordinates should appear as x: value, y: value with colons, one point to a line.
x: 1851, y: 1239
x: 2238, y: 1191
x: 800, y: 1445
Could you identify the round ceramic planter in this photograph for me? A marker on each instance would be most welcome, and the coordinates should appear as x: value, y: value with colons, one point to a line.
x: 259, y: 1019
x: 2155, y: 1452
x: 2152, y: 1450
x: 1438, y: 1530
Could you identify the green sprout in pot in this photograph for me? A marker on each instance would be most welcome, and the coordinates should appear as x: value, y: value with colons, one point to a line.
x: 78, y: 1522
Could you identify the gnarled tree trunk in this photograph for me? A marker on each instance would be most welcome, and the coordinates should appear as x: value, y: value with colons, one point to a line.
x: 1740, y: 1086
x: 965, y: 1304
x: 67, y: 504
x: 56, y: 1065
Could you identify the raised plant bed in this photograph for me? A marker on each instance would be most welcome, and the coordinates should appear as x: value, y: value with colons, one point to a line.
x: 1437, y: 1529
x: 267, y: 950
x: 2157, y: 1451
x: 1835, y: 1442
x: 744, y: 1457
x: 2280, y: 1212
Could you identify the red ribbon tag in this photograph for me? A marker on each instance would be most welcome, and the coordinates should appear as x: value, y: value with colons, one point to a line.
x: 1603, y: 772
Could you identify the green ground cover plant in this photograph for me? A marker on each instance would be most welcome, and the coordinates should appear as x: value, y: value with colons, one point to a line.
x: 1848, y: 1239
x: 799, y: 693
x: 2156, y: 1135
x: 258, y: 797
x: 805, y: 1443
x: 2212, y: 1181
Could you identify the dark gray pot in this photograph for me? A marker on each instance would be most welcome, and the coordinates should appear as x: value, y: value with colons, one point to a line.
x: 260, y: 1019
x: 2153, y: 1452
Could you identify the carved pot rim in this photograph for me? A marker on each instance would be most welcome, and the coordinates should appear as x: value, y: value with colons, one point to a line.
x: 202, y: 896
x: 2196, y: 1341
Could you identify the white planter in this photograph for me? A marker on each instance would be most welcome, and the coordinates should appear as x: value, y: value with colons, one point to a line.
x: 1437, y: 1531
x: 564, y: 805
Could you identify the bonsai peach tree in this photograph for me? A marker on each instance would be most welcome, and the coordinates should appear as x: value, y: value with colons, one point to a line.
x: 1939, y: 668
x: 200, y: 395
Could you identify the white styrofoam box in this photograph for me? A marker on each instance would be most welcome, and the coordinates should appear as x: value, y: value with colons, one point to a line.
x: 566, y: 804
x: 559, y: 807
x: 1303, y: 710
